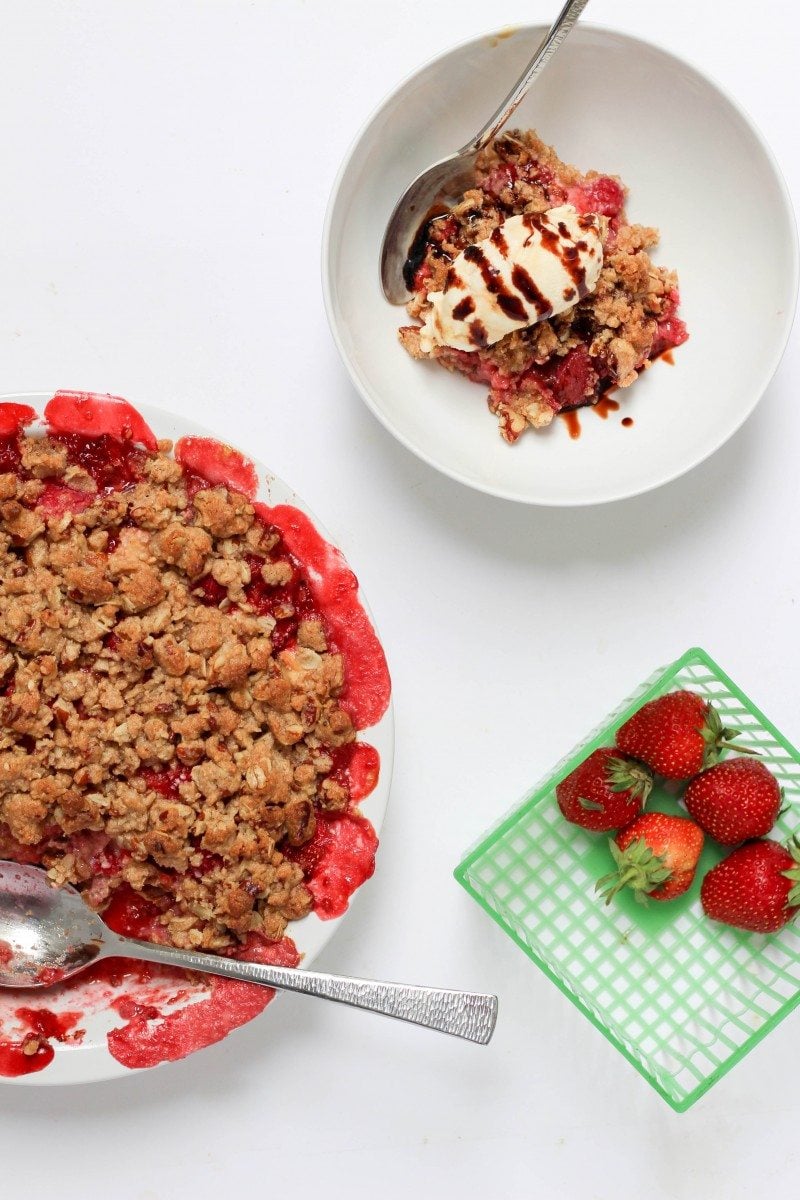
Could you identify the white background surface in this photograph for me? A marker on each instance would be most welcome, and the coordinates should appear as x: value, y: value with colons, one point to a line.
x: 165, y: 171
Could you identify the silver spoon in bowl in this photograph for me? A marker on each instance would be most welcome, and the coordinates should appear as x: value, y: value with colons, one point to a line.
x: 447, y: 179
x: 49, y: 934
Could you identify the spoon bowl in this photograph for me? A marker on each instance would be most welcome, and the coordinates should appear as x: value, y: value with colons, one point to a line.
x: 46, y: 934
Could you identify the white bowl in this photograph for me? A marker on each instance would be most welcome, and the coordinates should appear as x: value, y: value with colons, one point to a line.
x: 91, y: 1060
x: 696, y: 168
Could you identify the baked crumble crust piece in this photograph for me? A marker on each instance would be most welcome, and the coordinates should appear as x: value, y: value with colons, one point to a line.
x: 572, y: 359
x: 158, y: 727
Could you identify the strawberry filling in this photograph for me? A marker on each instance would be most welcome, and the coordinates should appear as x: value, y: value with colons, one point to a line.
x: 566, y: 382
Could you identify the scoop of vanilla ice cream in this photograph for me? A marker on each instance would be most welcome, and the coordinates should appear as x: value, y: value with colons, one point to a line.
x: 533, y: 266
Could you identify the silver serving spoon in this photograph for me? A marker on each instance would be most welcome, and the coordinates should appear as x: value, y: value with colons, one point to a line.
x: 446, y: 180
x: 48, y: 934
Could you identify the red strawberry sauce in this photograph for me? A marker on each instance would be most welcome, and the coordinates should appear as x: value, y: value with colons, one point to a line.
x: 13, y: 418
x: 31, y: 1050
x: 334, y: 588
x: 215, y: 463
x: 337, y: 860
x: 102, y: 434
x: 14, y: 1061
x: 92, y: 416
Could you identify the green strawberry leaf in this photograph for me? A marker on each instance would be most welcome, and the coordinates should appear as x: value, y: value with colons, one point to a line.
x: 637, y: 867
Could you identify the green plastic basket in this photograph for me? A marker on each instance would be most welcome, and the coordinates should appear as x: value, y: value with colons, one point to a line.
x: 681, y: 997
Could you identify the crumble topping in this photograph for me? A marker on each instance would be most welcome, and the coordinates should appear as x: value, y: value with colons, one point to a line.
x: 169, y: 700
x: 571, y: 359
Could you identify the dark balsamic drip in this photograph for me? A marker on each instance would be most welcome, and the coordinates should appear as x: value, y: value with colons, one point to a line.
x: 530, y: 223
x: 627, y: 422
x: 506, y: 301
x: 475, y: 255
x: 421, y: 244
x: 463, y: 309
x: 569, y: 292
x: 572, y: 421
x: 524, y: 284
x: 452, y: 279
x: 478, y: 335
x: 571, y: 258
x: 499, y: 241
x: 569, y: 254
x: 605, y: 405
x: 513, y: 307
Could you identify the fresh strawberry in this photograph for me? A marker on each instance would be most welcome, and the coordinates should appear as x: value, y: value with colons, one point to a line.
x: 656, y: 856
x: 604, y: 792
x: 757, y: 887
x: 677, y: 735
x: 734, y: 801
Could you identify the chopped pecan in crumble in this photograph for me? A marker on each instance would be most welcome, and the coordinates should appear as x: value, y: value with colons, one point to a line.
x: 572, y: 359
x: 169, y: 706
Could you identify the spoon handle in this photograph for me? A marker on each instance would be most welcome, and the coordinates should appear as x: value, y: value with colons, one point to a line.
x: 469, y: 1015
x: 561, y: 27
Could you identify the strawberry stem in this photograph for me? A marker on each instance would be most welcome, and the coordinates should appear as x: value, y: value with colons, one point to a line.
x: 728, y: 745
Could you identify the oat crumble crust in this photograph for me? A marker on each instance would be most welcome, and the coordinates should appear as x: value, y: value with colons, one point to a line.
x: 619, y: 318
x: 114, y: 671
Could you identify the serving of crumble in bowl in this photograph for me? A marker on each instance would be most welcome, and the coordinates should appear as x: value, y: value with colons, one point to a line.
x: 195, y: 721
x: 588, y: 381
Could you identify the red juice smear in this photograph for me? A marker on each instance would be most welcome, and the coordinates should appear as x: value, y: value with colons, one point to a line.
x: 356, y: 767
x: 144, y: 1042
x: 91, y: 414
x: 337, y: 860
x: 13, y: 417
x: 130, y: 1010
x: 216, y: 463
x: 334, y: 588
x: 46, y: 1024
x: 15, y: 1062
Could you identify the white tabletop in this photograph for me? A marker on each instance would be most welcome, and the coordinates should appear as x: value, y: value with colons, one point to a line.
x: 165, y: 170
